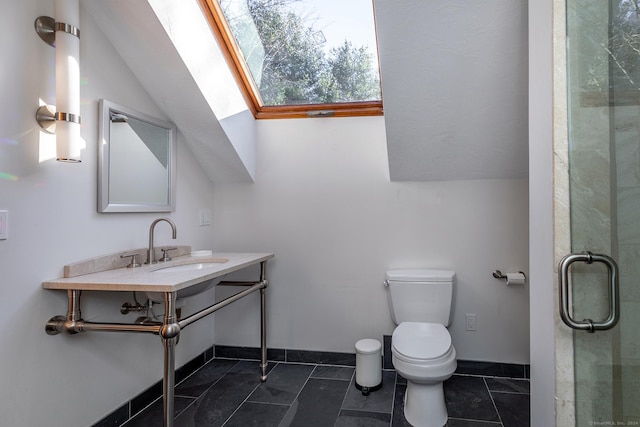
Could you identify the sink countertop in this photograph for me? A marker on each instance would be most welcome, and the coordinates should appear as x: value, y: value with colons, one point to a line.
x: 146, y: 278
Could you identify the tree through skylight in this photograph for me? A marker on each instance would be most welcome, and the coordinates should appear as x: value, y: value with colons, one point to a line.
x: 298, y: 53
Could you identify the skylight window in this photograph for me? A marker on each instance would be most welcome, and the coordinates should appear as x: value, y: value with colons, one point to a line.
x: 300, y: 58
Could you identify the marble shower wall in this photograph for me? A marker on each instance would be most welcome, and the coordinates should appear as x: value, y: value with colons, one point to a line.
x: 592, y: 183
x: 592, y: 229
x: 604, y: 165
x: 627, y: 145
x: 597, y: 375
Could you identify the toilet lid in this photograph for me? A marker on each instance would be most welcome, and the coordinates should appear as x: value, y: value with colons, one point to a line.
x: 418, y: 340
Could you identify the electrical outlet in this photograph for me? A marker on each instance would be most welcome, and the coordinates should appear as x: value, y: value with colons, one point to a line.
x: 3, y: 224
x: 205, y: 217
x: 470, y: 322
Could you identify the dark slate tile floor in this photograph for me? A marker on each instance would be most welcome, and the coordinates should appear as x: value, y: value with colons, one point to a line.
x: 228, y: 392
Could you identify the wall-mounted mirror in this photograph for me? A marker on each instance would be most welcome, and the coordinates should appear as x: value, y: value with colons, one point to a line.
x: 136, y: 161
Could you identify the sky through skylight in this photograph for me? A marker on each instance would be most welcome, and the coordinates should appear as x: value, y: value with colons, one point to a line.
x: 340, y: 19
x: 297, y: 51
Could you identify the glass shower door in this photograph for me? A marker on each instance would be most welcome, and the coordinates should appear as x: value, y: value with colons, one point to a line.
x: 603, y: 59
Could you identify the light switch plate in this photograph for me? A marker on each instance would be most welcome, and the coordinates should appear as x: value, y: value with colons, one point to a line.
x: 205, y: 217
x: 3, y: 224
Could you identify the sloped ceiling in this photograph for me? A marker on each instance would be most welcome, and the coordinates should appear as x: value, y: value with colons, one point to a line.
x: 144, y: 44
x: 454, y: 86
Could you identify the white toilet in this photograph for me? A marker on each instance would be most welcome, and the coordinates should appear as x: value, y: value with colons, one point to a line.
x: 420, y: 302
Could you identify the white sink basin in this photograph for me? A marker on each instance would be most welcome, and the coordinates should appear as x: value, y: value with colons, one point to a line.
x: 191, y: 290
x: 186, y: 267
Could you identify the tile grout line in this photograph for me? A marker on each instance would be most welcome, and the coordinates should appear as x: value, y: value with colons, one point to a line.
x: 497, y: 423
x: 299, y: 391
x: 344, y: 398
x: 510, y: 392
x: 491, y: 376
x: 245, y: 400
x: 393, y: 398
x: 195, y: 399
x: 492, y: 401
x: 506, y: 391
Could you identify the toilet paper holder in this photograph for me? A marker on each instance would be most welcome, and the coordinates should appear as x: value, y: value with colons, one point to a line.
x: 499, y: 275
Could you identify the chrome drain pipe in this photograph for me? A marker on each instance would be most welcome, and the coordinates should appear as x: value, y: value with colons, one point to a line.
x: 127, y: 308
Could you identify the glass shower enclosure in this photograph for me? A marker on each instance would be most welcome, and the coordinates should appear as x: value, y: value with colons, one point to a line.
x: 603, y: 90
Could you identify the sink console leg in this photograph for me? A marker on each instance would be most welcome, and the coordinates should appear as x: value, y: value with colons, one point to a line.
x: 263, y: 322
x: 169, y: 333
x: 73, y: 322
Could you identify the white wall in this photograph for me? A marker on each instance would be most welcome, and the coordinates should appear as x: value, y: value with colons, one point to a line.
x: 323, y: 202
x: 542, y: 296
x: 72, y: 380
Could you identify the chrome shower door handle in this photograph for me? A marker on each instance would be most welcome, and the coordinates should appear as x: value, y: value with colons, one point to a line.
x: 614, y: 304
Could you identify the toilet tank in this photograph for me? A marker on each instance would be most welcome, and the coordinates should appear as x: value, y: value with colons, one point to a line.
x: 420, y: 295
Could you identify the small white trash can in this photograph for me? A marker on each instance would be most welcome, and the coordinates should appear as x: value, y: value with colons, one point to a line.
x: 368, y: 365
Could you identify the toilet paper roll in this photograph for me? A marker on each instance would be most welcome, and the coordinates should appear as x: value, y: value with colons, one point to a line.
x: 515, y: 278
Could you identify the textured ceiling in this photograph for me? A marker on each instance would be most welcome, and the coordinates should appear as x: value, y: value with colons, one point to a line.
x: 455, y: 83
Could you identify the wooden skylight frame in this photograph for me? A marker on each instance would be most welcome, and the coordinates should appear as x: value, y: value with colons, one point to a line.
x: 214, y: 15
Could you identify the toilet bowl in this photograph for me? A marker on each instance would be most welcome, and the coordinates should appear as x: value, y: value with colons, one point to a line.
x: 421, y: 348
x: 422, y: 353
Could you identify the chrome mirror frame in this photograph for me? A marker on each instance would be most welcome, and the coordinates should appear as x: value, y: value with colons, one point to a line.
x: 105, y: 205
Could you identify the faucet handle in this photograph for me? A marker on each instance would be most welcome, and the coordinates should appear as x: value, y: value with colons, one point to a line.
x: 134, y: 262
x: 166, y: 257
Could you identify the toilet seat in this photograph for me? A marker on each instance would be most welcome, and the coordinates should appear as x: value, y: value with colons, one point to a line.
x: 419, y: 342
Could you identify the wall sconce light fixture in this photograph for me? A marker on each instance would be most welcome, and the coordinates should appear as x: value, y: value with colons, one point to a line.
x: 63, y: 119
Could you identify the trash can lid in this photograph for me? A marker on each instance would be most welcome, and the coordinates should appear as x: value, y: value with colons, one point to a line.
x: 368, y: 346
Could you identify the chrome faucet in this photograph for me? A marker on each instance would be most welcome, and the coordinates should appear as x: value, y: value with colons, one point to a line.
x: 151, y: 258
